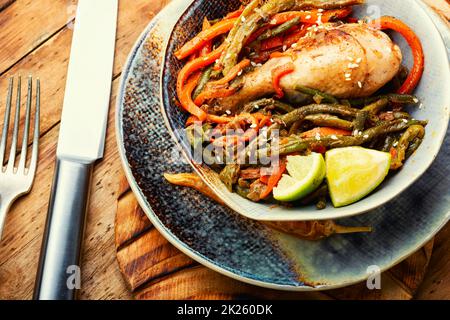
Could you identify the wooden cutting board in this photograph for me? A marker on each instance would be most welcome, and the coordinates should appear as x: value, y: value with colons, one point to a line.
x: 154, y: 269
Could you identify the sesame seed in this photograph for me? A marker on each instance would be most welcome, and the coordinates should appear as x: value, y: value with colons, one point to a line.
x: 274, y: 21
x: 308, y: 17
x: 358, y: 60
x: 243, y: 19
x: 284, y: 47
x: 360, y: 84
x: 271, y: 120
x: 259, y: 65
x: 348, y: 75
x: 405, y: 121
x: 334, y: 137
x: 415, y: 100
x: 253, y: 64
x: 217, y: 61
x: 350, y: 58
x: 256, y: 106
x: 317, y: 137
x: 366, y: 136
x: 294, y: 45
x: 348, y: 79
x: 240, y: 73
x: 395, y: 144
x: 228, y: 112
x: 253, y: 125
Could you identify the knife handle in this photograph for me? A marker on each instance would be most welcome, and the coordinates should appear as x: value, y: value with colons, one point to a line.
x: 58, y: 276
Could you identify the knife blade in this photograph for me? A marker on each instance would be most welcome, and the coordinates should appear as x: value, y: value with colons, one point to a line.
x: 80, y: 143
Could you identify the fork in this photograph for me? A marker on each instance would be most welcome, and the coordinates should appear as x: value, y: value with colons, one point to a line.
x: 16, y: 181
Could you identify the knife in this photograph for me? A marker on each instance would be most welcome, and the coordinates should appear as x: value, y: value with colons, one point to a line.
x: 80, y: 144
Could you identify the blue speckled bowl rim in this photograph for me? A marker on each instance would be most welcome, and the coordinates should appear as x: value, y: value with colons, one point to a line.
x: 162, y: 228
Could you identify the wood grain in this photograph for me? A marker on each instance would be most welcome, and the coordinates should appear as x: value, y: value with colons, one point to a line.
x: 19, y: 249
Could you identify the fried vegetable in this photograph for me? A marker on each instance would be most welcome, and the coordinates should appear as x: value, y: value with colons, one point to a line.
x: 412, y: 133
x: 229, y: 175
x: 256, y: 188
x: 270, y: 33
x: 315, y: 230
x: 317, y: 95
x: 192, y: 180
x: 300, y: 113
x: 327, y: 120
x: 267, y: 104
x: 392, y: 98
x: 360, y: 121
x: 206, y: 75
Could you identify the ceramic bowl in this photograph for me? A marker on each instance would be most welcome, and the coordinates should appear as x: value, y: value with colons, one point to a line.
x: 433, y: 91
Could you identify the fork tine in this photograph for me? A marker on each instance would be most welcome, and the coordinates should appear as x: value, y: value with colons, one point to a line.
x: 12, y: 153
x: 6, y: 123
x: 34, y: 154
x: 26, y: 129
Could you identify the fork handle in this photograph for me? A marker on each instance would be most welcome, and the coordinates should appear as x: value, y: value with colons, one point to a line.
x: 58, y: 276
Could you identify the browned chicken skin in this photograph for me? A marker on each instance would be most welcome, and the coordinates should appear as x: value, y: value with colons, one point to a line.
x: 347, y: 61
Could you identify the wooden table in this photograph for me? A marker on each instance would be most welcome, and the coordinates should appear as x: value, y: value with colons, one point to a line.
x: 35, y: 38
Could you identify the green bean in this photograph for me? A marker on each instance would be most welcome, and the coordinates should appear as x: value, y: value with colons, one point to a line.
x: 270, y: 33
x: 324, y: 97
x: 413, y: 146
x: 267, y: 104
x: 300, y: 113
x: 413, y: 132
x: 296, y: 143
x: 388, y: 143
x: 327, y: 120
x: 229, y: 175
x: 401, y: 115
x: 206, y: 75
x: 393, y: 98
x: 360, y: 121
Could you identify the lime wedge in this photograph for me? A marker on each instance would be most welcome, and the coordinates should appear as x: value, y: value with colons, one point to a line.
x: 354, y: 172
x: 306, y: 173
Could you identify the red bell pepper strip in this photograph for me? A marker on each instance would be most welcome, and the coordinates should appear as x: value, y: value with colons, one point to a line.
x: 413, y: 40
x: 277, y: 74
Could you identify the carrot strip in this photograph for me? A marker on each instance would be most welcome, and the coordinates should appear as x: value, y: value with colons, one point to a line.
x: 234, y: 14
x: 207, y: 48
x: 203, y: 37
x: 186, y: 98
x: 218, y: 119
x: 273, y: 179
x: 195, y: 65
x: 310, y: 16
x: 413, y: 40
x: 325, y: 131
x: 277, y: 74
x: 234, y: 72
x: 213, y: 93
